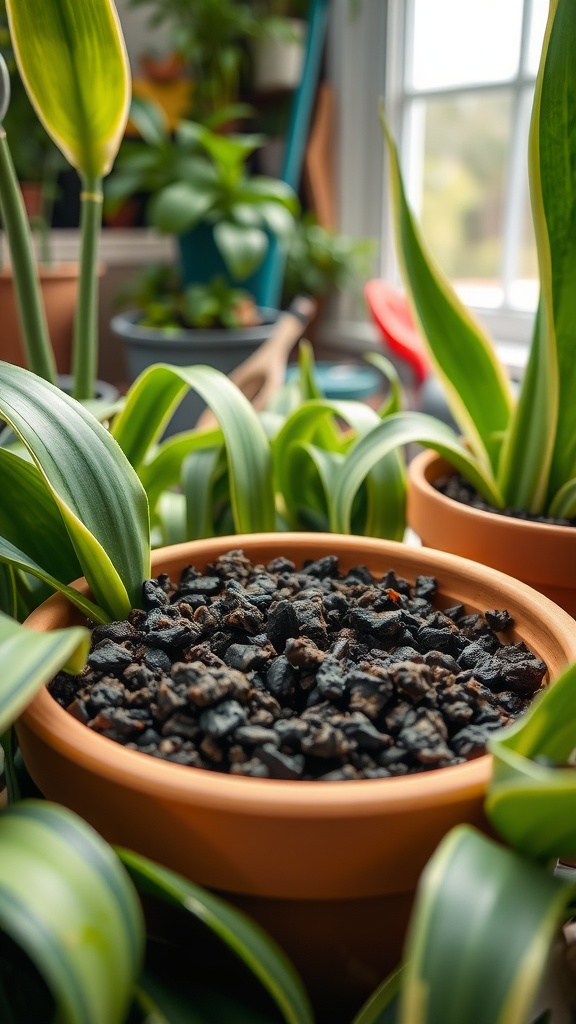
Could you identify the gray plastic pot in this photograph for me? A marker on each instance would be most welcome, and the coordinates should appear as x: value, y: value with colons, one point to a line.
x: 222, y: 348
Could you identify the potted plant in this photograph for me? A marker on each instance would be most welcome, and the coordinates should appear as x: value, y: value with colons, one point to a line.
x: 73, y: 940
x: 278, y: 49
x: 517, y: 453
x: 210, y: 36
x: 291, y: 823
x: 491, y: 913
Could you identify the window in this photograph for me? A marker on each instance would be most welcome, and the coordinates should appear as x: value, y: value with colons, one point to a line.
x: 458, y: 78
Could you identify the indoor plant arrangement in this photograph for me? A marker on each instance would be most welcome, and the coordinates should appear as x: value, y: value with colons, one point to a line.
x: 490, y: 914
x: 83, y: 930
x: 517, y: 452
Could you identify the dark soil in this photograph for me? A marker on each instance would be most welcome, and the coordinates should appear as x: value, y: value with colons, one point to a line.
x: 270, y: 672
x: 456, y: 487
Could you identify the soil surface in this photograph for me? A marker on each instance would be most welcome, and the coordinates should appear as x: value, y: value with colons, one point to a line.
x: 273, y: 672
x: 456, y: 487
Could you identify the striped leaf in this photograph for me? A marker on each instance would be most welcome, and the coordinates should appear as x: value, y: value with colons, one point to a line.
x: 13, y: 558
x: 475, y: 384
x: 531, y: 800
x: 67, y: 901
x: 98, y: 495
x: 382, y: 1006
x: 72, y: 59
x: 30, y: 659
x: 163, y: 467
x: 553, y: 191
x: 387, y: 436
x: 482, y: 929
x: 246, y: 939
x: 200, y: 471
x: 149, y: 406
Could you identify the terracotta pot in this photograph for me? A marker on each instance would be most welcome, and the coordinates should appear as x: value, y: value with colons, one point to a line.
x: 329, y: 868
x: 538, y: 554
x: 59, y: 290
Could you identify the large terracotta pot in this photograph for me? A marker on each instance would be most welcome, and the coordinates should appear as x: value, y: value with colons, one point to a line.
x: 59, y: 286
x: 541, y: 555
x: 329, y: 868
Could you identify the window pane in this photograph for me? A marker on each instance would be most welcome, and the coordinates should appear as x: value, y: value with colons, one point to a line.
x: 465, y: 146
x: 456, y: 42
x: 537, y: 26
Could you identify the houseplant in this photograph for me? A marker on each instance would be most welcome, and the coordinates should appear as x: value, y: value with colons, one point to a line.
x: 278, y: 48
x: 490, y: 914
x: 517, y: 453
x: 84, y: 110
x: 109, y: 538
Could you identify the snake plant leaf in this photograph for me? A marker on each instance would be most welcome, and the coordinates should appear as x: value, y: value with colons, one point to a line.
x: 73, y: 62
x: 382, y: 1006
x: 12, y: 557
x: 8, y: 591
x: 531, y: 799
x: 30, y: 518
x: 552, y: 162
x: 98, y: 494
x: 563, y: 504
x: 395, y: 400
x: 81, y: 927
x: 200, y: 470
x: 149, y: 406
x: 246, y: 939
x: 481, y: 932
x: 162, y: 470
x: 475, y: 384
x: 30, y: 659
x: 393, y: 432
x: 308, y: 473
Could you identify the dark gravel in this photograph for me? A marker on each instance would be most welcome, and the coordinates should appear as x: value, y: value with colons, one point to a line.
x: 274, y: 672
x: 456, y: 487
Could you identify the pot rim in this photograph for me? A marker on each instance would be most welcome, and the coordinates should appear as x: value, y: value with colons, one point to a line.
x: 298, y: 799
x: 126, y: 326
x: 427, y: 466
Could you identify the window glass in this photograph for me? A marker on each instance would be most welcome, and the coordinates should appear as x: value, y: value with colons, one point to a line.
x: 456, y: 42
x: 537, y: 26
x: 465, y: 150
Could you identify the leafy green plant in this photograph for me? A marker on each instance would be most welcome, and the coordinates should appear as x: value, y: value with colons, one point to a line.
x: 84, y: 110
x: 488, y: 916
x: 163, y: 303
x: 517, y: 452
x: 211, y: 36
x: 319, y: 261
x: 200, y: 177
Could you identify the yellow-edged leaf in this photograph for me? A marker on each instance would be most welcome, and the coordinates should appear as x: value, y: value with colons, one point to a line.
x: 72, y: 59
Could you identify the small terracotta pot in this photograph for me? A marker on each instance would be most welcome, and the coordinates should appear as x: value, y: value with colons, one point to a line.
x: 59, y: 286
x: 541, y: 555
x: 329, y: 868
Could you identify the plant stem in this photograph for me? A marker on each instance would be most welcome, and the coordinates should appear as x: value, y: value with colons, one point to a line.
x: 85, y: 352
x: 35, y: 338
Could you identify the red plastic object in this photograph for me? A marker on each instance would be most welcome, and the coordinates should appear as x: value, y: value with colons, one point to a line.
x: 391, y: 313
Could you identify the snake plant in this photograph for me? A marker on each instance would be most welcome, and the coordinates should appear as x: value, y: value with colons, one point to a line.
x: 517, y: 452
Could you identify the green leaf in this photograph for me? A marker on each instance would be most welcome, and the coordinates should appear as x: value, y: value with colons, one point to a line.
x: 30, y: 659
x: 73, y: 62
x: 563, y: 504
x: 8, y: 592
x: 476, y: 387
x: 552, y: 162
x: 150, y: 120
x: 241, y: 248
x: 395, y: 400
x: 246, y: 939
x: 200, y: 472
x: 481, y: 933
x: 390, y: 434
x: 100, y: 498
x: 149, y: 406
x: 531, y: 800
x: 382, y: 1006
x: 81, y: 927
x: 14, y: 558
x: 163, y: 468
x: 179, y: 207
x: 31, y: 521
